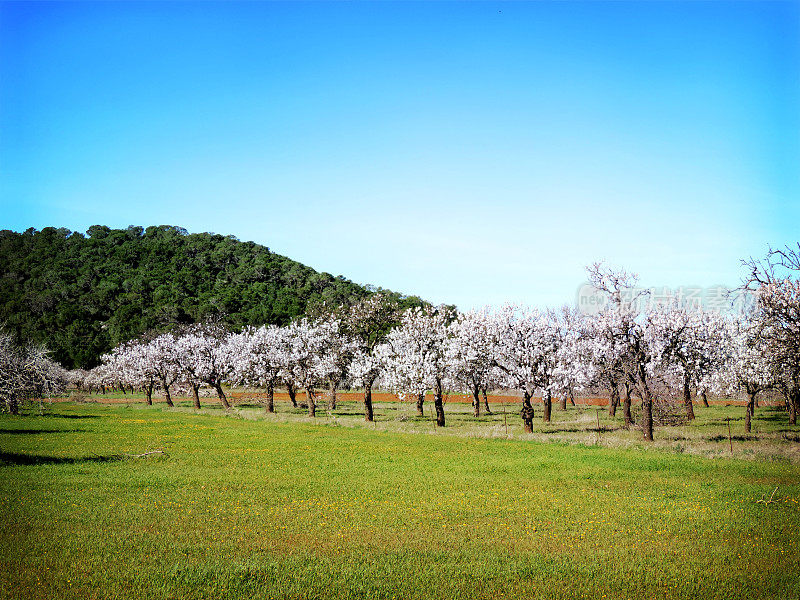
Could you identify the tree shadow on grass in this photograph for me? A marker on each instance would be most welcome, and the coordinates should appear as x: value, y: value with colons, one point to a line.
x: 36, y: 431
x: 61, y: 416
x: 735, y: 438
x: 572, y: 430
x: 14, y: 458
x: 248, y: 405
x: 723, y: 422
x: 773, y: 415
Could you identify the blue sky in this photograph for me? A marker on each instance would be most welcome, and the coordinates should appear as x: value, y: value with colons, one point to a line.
x: 472, y: 153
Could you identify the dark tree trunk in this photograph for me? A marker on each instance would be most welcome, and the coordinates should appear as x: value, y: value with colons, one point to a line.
x: 369, y: 415
x: 438, y: 404
x: 794, y: 407
x: 704, y: 396
x: 613, y: 400
x: 221, y: 394
x: 527, y: 412
x: 647, y: 411
x: 788, y: 405
x: 312, y: 406
x: 486, y: 402
x: 547, y: 401
x: 572, y: 396
x: 750, y: 409
x: 563, y: 401
x: 292, y: 394
x: 196, y: 395
x: 148, y: 393
x: 420, y: 404
x: 626, y: 407
x: 476, y: 401
x: 687, y: 399
x: 13, y: 405
x: 269, y: 406
x: 167, y: 397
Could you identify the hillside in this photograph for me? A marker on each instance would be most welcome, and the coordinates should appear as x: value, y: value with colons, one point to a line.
x: 81, y: 294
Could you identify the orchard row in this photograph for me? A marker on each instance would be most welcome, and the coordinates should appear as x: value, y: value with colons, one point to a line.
x: 658, y: 356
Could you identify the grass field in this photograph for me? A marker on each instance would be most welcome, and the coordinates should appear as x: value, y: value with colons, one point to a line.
x: 283, y: 507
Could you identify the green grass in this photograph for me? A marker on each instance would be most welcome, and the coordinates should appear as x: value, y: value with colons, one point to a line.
x: 281, y: 507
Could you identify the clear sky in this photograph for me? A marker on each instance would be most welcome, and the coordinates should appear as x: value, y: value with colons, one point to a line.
x: 472, y: 153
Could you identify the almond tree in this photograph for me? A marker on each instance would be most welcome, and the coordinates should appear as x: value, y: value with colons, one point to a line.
x: 138, y: 364
x: 161, y: 357
x: 202, y: 354
x: 747, y: 366
x: 416, y: 354
x: 97, y: 379
x: 572, y: 371
x: 78, y: 377
x: 134, y: 366
x: 470, y: 352
x: 688, y: 341
x: 778, y: 323
x: 305, y: 342
x: 622, y: 334
x: 366, y: 369
x: 528, y: 356
x: 605, y: 354
x: 335, y: 355
x: 776, y: 282
x: 26, y: 372
x: 259, y: 359
x: 366, y: 324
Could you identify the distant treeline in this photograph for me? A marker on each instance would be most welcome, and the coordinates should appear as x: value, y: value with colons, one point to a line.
x: 81, y: 295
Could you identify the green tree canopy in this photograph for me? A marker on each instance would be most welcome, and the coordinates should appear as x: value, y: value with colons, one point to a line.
x: 81, y: 295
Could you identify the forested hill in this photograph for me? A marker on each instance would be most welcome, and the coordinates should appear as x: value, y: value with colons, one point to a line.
x: 83, y: 294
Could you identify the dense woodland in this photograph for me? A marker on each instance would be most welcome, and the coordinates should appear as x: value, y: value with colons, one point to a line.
x: 83, y: 294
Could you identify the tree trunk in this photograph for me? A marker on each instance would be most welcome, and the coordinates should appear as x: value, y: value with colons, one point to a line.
x: 486, y: 402
x: 626, y: 407
x: 613, y: 400
x: 420, y: 403
x: 438, y: 404
x: 167, y: 397
x: 476, y: 401
x: 13, y: 405
x: 751, y: 404
x: 196, y: 395
x: 221, y: 394
x: 563, y: 399
x: 687, y: 399
x: 647, y: 414
x: 270, y: 404
x: 571, y: 396
x: 369, y: 415
x: 795, y: 407
x: 292, y: 394
x: 332, y: 396
x: 547, y: 401
x: 312, y: 406
x: 704, y: 396
x: 148, y: 393
x: 789, y: 407
x: 527, y: 412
